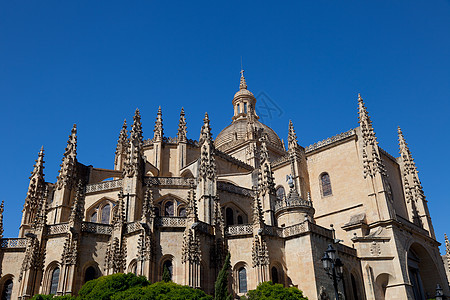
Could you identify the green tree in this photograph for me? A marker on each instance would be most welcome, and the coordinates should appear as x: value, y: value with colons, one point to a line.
x: 221, y: 285
x: 270, y: 291
x: 166, y: 277
x: 106, y: 286
x: 49, y: 297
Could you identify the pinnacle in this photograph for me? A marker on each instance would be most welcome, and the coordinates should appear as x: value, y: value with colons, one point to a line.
x: 182, y: 111
x: 243, y: 84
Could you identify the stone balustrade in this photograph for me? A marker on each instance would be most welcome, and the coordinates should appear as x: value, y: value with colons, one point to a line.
x: 298, y: 203
x: 96, y: 228
x: 241, y: 229
x: 13, y: 243
x: 170, y: 181
x: 104, y: 186
x: 171, y: 221
x: 58, y: 228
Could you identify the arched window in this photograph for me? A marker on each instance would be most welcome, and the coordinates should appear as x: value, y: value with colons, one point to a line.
x: 182, y: 212
x: 274, y: 275
x: 354, y: 288
x: 245, y: 107
x: 54, y: 281
x: 240, y: 220
x: 133, y: 268
x: 242, y: 276
x: 94, y: 217
x: 168, y: 264
x: 90, y: 274
x: 169, y: 209
x: 7, y: 289
x: 229, y: 216
x: 325, y: 184
x: 106, y: 211
x: 281, y: 194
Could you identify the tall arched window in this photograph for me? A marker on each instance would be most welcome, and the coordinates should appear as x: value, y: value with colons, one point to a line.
x: 90, y: 274
x: 168, y: 264
x: 229, y: 216
x: 169, y: 209
x: 354, y: 288
x: 274, y: 275
x: 325, y: 184
x: 245, y: 107
x: 106, y: 211
x: 54, y: 281
x: 281, y: 194
x: 7, y: 289
x: 94, y: 217
x: 182, y: 212
x: 242, y: 276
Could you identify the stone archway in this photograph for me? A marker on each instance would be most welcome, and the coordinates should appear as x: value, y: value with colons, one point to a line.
x: 422, y: 272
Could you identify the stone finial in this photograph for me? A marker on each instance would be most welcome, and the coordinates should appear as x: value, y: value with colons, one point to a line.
x: 119, y: 215
x: 159, y: 134
x: 405, y: 154
x: 148, y: 208
x: 182, y: 129
x: 242, y: 84
x: 447, y: 243
x: 264, y: 152
x: 77, y: 212
x: 133, y: 161
x: 292, y: 137
x: 365, y: 123
x: 1, y: 218
x: 219, y: 221
x: 123, y: 139
x: 258, y: 219
x: 37, y: 181
x: 136, y: 128
x: 191, y: 209
x: 69, y: 161
x: 206, y: 134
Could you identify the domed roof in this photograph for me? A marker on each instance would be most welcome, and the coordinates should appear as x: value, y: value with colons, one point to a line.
x: 236, y: 132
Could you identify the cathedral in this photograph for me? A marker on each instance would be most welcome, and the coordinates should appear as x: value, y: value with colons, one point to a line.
x: 280, y: 210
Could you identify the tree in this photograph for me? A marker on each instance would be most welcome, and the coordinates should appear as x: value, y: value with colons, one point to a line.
x: 221, y: 285
x: 166, y: 277
x: 270, y: 291
x: 51, y: 297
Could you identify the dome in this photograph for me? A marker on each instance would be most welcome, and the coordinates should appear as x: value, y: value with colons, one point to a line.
x: 236, y: 132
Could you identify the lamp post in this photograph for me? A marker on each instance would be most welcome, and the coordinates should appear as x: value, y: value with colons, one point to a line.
x: 439, y: 293
x: 334, y: 267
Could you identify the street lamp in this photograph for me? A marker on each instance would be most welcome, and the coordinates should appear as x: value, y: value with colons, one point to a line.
x: 439, y: 293
x: 334, y: 267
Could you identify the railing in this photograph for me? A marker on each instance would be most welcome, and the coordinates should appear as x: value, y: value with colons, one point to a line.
x: 235, y: 230
x: 294, y: 229
x: 170, y: 181
x: 57, y: 228
x: 280, y: 205
x: 104, y: 186
x: 13, y: 243
x: 96, y: 228
x: 171, y: 221
x: 330, y: 140
x: 133, y: 227
x: 228, y: 187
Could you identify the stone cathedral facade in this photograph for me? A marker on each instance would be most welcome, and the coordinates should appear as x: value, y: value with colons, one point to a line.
x: 183, y: 204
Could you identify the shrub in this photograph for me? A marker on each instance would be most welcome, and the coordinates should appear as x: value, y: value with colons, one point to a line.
x: 106, y: 286
x: 270, y: 291
x: 48, y: 297
x: 221, y: 285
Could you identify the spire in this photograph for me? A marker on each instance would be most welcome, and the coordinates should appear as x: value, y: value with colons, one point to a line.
x: 159, y: 134
x: 77, y: 212
x: 206, y: 131
x: 132, y: 165
x: 292, y: 137
x: 366, y: 123
x: 41, y: 214
x: 37, y: 181
x: 123, y: 139
x: 1, y: 218
x: 447, y: 243
x: 242, y: 84
x: 265, y: 174
x: 191, y: 210
x: 410, y: 166
x: 181, y: 136
x: 69, y: 161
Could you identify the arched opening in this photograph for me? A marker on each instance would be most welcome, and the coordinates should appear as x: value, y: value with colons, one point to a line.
x: 168, y: 264
x: 54, y: 281
x: 169, y: 209
x: 229, y: 216
x: 325, y: 184
x: 182, y: 212
x: 133, y: 267
x: 354, y: 287
x: 7, y: 289
x: 90, y: 274
x: 106, y: 211
x: 242, y: 277
x: 240, y: 220
x: 275, y: 275
x: 281, y: 193
x: 94, y: 217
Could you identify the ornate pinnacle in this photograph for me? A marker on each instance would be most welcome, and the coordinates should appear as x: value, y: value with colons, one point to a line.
x: 77, y: 212
x: 119, y: 216
x: 136, y: 129
x: 148, y: 207
x: 123, y: 139
x: 1, y: 218
x: 447, y: 243
x: 365, y: 123
x: 159, y: 134
x: 242, y: 84
x: 264, y: 153
x: 67, y: 171
x: 181, y: 136
x: 37, y: 181
x: 191, y: 209
x: 206, y: 130
x: 410, y: 166
x: 292, y: 137
x: 257, y: 210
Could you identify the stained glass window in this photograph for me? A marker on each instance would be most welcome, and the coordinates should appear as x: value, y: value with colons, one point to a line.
x: 169, y: 209
x: 54, y: 281
x: 242, y: 275
x: 106, y: 210
x: 326, y: 184
x: 7, y: 289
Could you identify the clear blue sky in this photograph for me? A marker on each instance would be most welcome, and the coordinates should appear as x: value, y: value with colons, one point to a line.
x: 93, y: 62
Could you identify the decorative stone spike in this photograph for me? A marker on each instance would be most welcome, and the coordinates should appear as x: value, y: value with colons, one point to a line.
x: 242, y: 84
x: 206, y: 134
x: 292, y: 137
x: 119, y: 216
x: 148, y: 208
x: 191, y: 209
x: 258, y: 219
x: 122, y: 142
x: 447, y: 246
x: 41, y: 215
x: 158, y: 131
x: 182, y: 129
x: 133, y: 162
x: 36, y: 187
x: 68, y: 166
x: 77, y: 212
x: 260, y: 254
x: 191, y: 250
x: 1, y: 218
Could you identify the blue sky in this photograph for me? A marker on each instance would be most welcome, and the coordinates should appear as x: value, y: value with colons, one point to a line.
x: 93, y: 62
